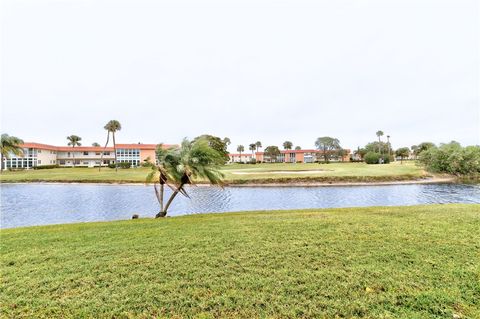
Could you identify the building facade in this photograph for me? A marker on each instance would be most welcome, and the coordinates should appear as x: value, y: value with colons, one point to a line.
x: 36, y: 154
x: 290, y: 156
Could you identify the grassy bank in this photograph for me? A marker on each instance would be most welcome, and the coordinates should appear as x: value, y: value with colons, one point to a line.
x: 395, y: 262
x: 236, y: 173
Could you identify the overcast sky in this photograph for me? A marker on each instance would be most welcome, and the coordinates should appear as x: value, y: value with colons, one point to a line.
x: 250, y: 70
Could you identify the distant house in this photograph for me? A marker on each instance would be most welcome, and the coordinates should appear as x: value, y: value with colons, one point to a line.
x: 290, y: 156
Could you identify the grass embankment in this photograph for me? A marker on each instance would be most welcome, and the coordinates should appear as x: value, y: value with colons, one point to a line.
x: 236, y: 173
x: 384, y: 262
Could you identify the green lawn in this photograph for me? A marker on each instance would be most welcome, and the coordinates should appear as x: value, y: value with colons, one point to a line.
x: 236, y: 173
x: 384, y: 262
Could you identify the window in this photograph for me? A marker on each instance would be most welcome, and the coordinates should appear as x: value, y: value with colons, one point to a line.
x: 39, y: 162
x: 62, y: 162
x: 85, y: 153
x: 39, y: 151
x: 106, y: 153
x: 68, y: 154
x: 97, y: 153
x: 85, y: 163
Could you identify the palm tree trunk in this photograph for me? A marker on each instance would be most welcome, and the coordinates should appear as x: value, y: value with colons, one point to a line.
x: 115, y: 150
x: 101, y: 156
x: 73, y: 154
x: 163, y: 213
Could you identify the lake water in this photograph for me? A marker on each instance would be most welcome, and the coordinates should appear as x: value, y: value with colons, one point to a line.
x: 42, y: 204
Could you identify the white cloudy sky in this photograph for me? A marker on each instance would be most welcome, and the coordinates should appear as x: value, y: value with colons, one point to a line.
x: 249, y: 70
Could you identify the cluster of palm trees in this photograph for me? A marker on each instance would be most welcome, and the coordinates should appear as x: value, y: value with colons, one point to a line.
x: 111, y: 127
x: 177, y: 167
x: 253, y: 147
x: 379, y: 135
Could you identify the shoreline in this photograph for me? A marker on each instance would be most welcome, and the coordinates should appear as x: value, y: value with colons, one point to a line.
x: 428, y: 180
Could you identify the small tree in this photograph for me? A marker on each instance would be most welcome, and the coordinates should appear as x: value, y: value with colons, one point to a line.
x: 10, y: 145
x: 252, y: 147
x: 95, y: 144
x: 298, y: 148
x: 240, y: 149
x: 258, y: 144
x: 181, y: 166
x: 74, y: 140
x: 272, y: 153
x: 327, y: 145
x: 372, y: 158
x: 287, y: 145
x: 111, y: 127
x: 402, y: 152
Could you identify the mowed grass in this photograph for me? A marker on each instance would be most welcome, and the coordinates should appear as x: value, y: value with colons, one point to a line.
x: 235, y: 173
x: 383, y: 262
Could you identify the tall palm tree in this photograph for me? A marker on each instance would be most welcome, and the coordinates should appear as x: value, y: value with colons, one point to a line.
x: 10, y: 145
x: 287, y: 145
x: 388, y: 145
x: 182, y: 166
x: 379, y: 135
x: 74, y: 140
x: 252, y: 147
x: 240, y: 149
x: 258, y: 144
x: 111, y: 127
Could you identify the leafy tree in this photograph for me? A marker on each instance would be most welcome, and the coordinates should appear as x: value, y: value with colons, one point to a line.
x: 218, y: 144
x: 327, y: 145
x: 181, y: 166
x: 287, y: 145
x: 376, y: 147
x: 252, y: 147
x: 402, y: 152
x: 95, y: 144
x: 111, y: 127
x: 74, y: 140
x: 425, y: 146
x: 372, y: 158
x: 298, y: 148
x: 415, y: 151
x: 10, y: 145
x: 240, y: 149
x: 258, y: 144
x: 272, y: 153
x: 452, y: 158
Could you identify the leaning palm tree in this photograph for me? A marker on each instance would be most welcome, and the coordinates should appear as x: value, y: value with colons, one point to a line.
x: 74, y: 140
x: 379, y: 135
x: 10, y: 145
x: 181, y: 166
x: 111, y: 127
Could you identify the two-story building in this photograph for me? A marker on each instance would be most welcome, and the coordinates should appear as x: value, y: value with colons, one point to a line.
x: 37, y: 154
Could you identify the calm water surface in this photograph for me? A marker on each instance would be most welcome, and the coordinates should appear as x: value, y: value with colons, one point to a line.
x: 41, y: 204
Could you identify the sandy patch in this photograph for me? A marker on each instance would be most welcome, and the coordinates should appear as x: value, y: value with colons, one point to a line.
x: 279, y: 172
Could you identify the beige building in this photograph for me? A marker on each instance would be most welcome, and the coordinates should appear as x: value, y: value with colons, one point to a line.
x: 37, y: 154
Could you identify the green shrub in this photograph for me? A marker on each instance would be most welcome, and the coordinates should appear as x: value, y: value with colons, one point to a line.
x: 372, y: 158
x: 124, y: 165
x: 47, y: 166
x: 111, y: 165
x: 452, y: 158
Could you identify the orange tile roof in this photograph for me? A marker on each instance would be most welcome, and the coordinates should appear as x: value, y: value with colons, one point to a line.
x: 39, y: 145
x: 92, y: 148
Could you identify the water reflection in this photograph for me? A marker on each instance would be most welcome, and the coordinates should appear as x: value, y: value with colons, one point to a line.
x: 39, y: 204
